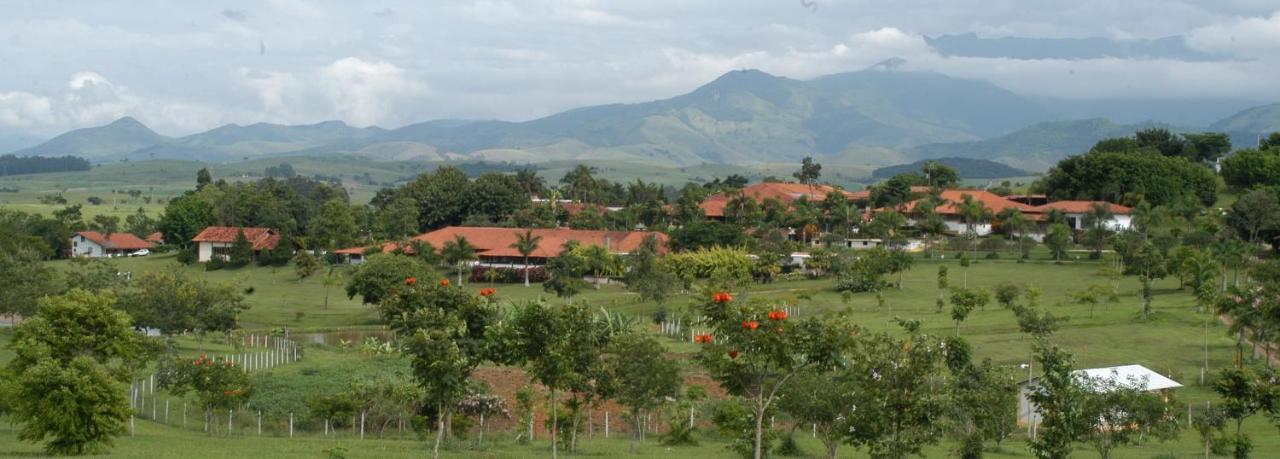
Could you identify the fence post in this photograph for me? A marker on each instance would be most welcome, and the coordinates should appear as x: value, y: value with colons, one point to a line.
x: 184, y: 415
x: 131, y: 426
x: 229, y: 417
x: 326, y: 427
x: 259, y: 423
x: 166, y: 411
x: 153, y: 406
x: 291, y: 424
x: 362, y: 425
x: 606, y: 425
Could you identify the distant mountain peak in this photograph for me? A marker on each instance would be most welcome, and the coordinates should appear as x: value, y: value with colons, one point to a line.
x: 893, y: 63
x: 127, y: 122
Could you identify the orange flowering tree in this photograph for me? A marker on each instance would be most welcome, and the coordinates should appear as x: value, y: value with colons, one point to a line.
x: 443, y: 329
x: 218, y: 384
x: 755, y: 349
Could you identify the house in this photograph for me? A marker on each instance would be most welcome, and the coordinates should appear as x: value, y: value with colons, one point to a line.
x: 1077, y: 210
x: 94, y: 244
x: 493, y: 244
x: 713, y: 206
x: 949, y: 210
x: 156, y: 238
x: 1097, y: 379
x: 216, y: 240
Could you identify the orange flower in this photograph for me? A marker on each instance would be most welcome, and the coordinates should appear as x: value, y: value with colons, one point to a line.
x: 226, y: 392
x: 410, y: 281
x: 722, y: 297
x: 750, y: 324
x: 733, y: 354
x: 702, y: 339
x: 444, y: 282
x: 777, y: 315
x: 488, y: 292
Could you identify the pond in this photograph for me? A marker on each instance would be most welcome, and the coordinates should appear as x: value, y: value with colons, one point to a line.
x: 336, y: 338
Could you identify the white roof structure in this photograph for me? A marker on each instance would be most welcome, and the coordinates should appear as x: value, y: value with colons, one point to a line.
x: 1128, y: 376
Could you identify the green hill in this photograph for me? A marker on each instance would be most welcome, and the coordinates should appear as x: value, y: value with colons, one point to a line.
x: 968, y: 168
x: 1036, y: 147
x: 1247, y: 126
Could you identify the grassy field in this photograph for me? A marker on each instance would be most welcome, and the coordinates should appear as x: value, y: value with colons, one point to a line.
x: 1172, y: 342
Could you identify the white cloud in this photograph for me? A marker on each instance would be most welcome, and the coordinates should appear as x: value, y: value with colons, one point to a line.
x: 368, y: 92
x: 1253, y: 37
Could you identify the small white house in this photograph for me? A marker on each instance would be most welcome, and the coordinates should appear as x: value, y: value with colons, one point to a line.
x: 1076, y: 211
x: 216, y: 241
x: 1097, y: 379
x: 94, y: 244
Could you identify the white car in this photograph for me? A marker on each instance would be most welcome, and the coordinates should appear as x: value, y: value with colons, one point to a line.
x: 140, y: 253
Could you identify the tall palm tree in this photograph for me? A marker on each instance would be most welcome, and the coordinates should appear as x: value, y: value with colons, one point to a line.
x: 526, y: 244
x: 457, y: 252
x: 973, y: 212
x: 1016, y: 224
x: 1097, y: 224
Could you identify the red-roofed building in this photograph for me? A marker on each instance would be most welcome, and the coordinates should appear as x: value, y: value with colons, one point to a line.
x: 156, y: 238
x: 1076, y: 211
x: 713, y: 206
x: 94, y: 244
x: 217, y: 240
x: 493, y: 245
x: 950, y: 208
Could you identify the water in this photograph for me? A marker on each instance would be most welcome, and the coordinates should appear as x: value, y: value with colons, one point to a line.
x: 335, y: 338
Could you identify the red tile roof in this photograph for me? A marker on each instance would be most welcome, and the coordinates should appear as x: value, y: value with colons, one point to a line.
x: 261, y: 238
x: 952, y: 198
x: 713, y: 206
x: 117, y: 241
x: 155, y: 238
x: 496, y: 242
x: 1082, y: 207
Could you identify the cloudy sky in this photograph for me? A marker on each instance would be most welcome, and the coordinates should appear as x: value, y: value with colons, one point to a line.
x: 183, y: 67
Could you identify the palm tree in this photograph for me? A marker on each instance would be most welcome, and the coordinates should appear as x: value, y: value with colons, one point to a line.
x: 457, y: 252
x: 600, y: 262
x: 973, y: 212
x: 1097, y: 226
x: 526, y: 244
x: 1016, y: 224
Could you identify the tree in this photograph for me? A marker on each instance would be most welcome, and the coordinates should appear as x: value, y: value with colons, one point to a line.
x: 25, y: 279
x: 174, y: 302
x: 557, y: 346
x: 139, y: 223
x: 203, y: 178
x: 1249, y: 168
x: 1060, y: 400
x: 599, y: 262
x: 1149, y: 264
x: 1097, y: 223
x: 397, y: 219
x: 964, y: 301
x: 71, y: 362
x: 305, y: 264
x: 1016, y: 224
x: 983, y: 400
x: 754, y: 351
x: 526, y: 243
x: 646, y: 276
x: 495, y: 197
x: 1119, y: 412
x: 637, y: 367
x: 706, y: 234
x: 1058, y: 239
x: 1128, y: 178
x: 819, y: 400
x: 1007, y: 294
x: 447, y: 330
x: 939, y: 176
x: 241, y: 252
x: 1254, y: 214
x: 897, y: 407
x: 973, y: 212
x: 809, y: 171
x: 184, y: 217
x: 457, y: 253
x: 335, y: 227
x: 1243, y: 394
x: 377, y: 278
x: 565, y: 272
x: 218, y: 385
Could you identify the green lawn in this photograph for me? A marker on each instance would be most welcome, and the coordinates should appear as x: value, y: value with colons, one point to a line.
x: 1171, y: 342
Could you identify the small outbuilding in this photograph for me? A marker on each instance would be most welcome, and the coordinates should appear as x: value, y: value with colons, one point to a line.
x: 1097, y: 379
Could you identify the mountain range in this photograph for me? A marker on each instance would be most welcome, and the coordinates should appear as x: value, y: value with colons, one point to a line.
x: 877, y: 116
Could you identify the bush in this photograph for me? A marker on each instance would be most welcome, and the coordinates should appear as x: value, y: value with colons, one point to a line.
x: 507, y: 275
x: 215, y: 264
x: 187, y: 256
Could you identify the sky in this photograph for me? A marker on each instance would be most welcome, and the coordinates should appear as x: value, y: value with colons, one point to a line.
x: 184, y: 67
